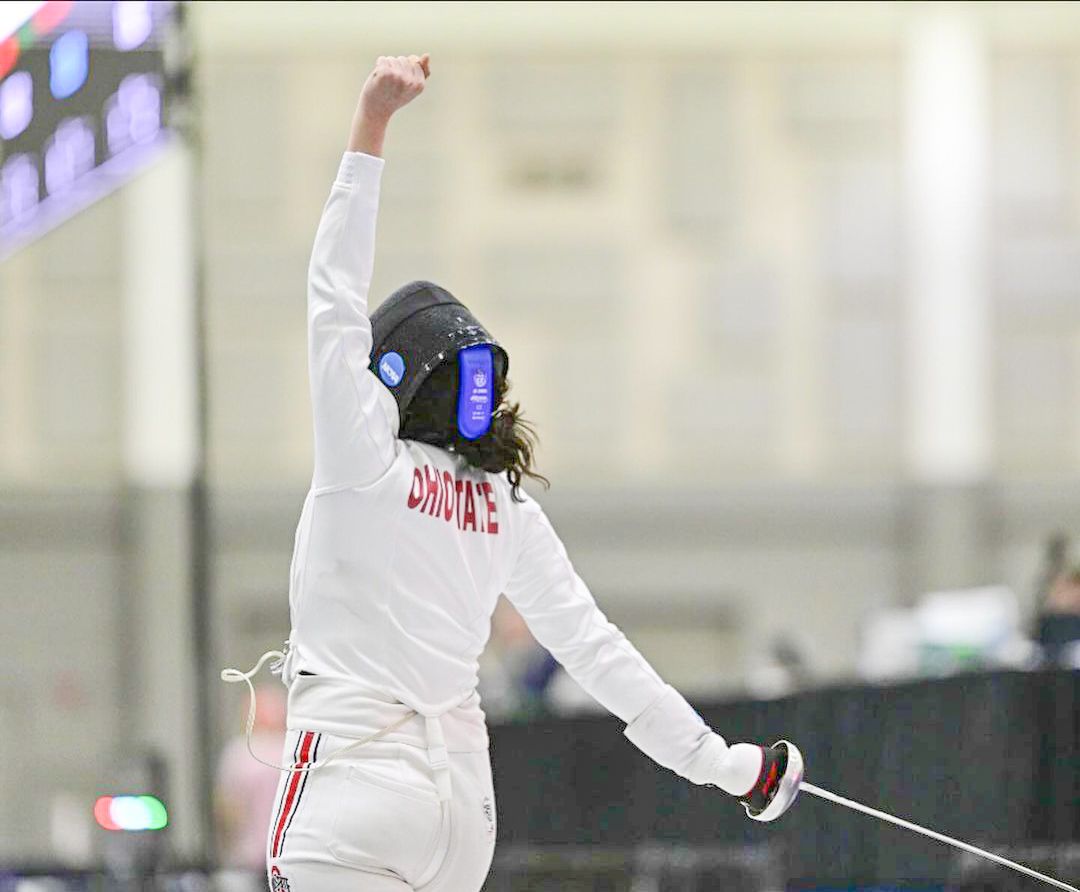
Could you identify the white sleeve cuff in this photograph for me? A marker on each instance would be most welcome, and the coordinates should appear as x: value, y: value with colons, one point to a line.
x: 357, y: 168
x: 670, y: 733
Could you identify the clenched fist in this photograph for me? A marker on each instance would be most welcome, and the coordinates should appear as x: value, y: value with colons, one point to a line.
x: 395, y: 82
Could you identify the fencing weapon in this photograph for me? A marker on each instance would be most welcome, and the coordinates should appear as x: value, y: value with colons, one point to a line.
x: 940, y: 837
x: 792, y: 783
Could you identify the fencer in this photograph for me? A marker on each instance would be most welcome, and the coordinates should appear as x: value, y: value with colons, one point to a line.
x: 415, y: 523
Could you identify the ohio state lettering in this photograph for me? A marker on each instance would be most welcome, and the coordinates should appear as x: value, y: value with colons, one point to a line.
x: 468, y: 504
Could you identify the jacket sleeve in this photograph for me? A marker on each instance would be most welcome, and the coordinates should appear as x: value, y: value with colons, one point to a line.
x: 565, y: 619
x: 355, y: 416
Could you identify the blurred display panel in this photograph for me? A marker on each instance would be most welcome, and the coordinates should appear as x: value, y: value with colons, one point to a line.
x: 81, y: 106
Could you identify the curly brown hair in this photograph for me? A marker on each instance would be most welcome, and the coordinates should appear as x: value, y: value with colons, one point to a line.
x: 508, y: 447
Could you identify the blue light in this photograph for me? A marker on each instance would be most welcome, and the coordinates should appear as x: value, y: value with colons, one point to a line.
x: 69, y: 63
x: 16, y: 104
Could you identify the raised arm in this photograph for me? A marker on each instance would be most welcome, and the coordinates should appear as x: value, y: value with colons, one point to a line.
x: 355, y: 417
x: 395, y: 82
x: 563, y: 616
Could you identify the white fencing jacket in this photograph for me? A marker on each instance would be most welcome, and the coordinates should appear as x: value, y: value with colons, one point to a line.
x: 402, y: 551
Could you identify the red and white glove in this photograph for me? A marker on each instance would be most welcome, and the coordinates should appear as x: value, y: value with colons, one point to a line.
x: 777, y: 784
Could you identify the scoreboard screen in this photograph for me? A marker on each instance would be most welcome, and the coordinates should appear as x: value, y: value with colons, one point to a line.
x: 82, y: 93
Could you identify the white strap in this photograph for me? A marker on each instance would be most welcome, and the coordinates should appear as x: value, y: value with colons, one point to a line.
x: 233, y: 676
x: 438, y: 756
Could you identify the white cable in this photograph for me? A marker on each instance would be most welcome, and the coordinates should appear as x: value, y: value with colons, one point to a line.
x: 233, y: 676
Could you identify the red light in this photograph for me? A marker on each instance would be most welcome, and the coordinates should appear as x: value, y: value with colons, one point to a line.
x: 51, y: 15
x: 101, y: 813
x: 9, y: 53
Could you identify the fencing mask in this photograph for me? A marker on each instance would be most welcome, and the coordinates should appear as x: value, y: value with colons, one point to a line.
x: 422, y: 333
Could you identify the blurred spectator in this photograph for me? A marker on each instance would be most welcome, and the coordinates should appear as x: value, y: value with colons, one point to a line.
x: 1064, y: 596
x: 1059, y: 622
x: 784, y: 667
x: 516, y: 672
x: 246, y: 789
x: 1055, y: 563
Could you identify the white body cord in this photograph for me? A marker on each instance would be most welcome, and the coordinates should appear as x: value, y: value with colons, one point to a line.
x: 233, y: 676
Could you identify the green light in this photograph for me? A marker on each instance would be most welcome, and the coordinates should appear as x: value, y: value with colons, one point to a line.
x: 157, y: 816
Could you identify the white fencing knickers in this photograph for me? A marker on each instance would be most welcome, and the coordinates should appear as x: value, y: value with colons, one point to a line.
x: 372, y: 820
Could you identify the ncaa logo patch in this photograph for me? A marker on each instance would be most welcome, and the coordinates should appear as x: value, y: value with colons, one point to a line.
x: 278, y: 883
x: 391, y: 369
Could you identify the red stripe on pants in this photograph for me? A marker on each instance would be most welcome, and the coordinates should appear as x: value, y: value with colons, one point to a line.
x: 290, y: 793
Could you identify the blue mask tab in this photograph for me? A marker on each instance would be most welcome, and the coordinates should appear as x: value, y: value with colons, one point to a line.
x: 476, y: 392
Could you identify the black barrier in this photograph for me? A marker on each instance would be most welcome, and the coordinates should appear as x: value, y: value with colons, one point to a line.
x: 991, y: 758
x: 650, y: 867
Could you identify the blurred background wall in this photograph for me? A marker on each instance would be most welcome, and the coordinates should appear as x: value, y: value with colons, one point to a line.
x: 705, y: 234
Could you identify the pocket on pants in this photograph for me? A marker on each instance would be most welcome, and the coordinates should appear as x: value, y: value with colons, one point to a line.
x: 383, y: 823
